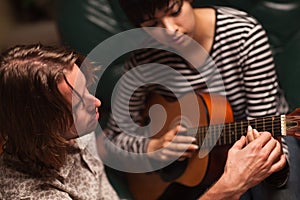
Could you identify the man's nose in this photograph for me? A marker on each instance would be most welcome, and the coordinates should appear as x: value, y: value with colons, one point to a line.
x: 92, y: 102
x: 97, y: 102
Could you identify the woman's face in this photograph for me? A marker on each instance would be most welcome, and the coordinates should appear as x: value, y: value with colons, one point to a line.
x: 84, y: 105
x: 178, y: 20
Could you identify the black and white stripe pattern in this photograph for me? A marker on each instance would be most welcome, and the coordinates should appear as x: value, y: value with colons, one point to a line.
x: 242, y: 56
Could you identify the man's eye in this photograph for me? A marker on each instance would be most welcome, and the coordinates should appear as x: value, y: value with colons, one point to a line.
x: 77, y: 102
x: 76, y: 106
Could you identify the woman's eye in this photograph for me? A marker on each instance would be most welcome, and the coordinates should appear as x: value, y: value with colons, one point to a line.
x: 176, y: 11
x: 151, y: 23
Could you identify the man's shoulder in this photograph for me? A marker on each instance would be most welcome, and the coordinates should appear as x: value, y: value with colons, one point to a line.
x: 18, y: 185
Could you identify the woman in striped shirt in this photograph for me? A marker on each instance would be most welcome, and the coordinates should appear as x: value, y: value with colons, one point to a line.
x: 235, y: 61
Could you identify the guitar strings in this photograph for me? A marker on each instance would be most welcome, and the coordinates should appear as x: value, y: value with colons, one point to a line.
x: 237, y: 130
x: 233, y: 126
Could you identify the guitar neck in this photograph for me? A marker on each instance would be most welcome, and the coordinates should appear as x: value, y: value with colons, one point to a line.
x: 224, y: 134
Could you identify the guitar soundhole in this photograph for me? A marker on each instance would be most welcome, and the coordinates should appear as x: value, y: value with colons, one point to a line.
x: 173, y: 171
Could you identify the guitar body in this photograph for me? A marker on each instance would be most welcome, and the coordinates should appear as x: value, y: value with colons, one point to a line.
x: 192, y: 176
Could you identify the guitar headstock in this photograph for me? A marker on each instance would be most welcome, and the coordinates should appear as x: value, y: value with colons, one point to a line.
x: 293, y: 123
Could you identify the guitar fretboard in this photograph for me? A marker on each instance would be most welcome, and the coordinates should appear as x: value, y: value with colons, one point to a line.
x: 223, y: 134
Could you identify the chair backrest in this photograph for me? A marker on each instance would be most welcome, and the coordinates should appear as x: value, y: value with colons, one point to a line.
x: 83, y: 24
x: 288, y: 67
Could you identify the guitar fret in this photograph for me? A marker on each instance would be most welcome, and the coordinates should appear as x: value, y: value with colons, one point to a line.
x: 242, y: 128
x: 273, y: 125
x: 255, y: 124
x: 230, y: 133
x: 222, y: 127
x: 248, y: 125
x: 235, y: 130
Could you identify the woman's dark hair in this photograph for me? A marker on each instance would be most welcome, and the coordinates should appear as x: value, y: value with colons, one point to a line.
x: 34, y: 114
x: 138, y: 10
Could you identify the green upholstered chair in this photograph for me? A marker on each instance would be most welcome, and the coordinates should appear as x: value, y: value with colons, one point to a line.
x: 83, y: 24
x: 289, y: 70
x: 281, y: 21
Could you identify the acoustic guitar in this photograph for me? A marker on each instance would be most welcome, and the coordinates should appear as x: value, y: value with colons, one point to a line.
x: 197, y: 174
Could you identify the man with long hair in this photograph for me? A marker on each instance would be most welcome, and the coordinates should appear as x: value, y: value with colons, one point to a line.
x: 47, y: 121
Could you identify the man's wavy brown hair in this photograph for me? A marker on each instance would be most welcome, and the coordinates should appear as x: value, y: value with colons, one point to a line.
x: 33, y: 113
